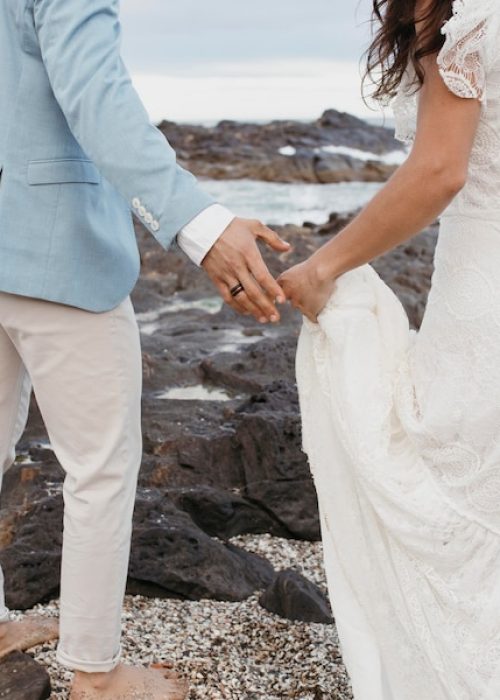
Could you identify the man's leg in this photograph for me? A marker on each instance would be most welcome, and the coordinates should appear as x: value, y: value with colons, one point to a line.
x: 86, y: 370
x: 87, y: 377
x: 15, y: 391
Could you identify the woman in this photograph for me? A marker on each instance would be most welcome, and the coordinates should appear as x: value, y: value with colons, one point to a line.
x: 402, y: 429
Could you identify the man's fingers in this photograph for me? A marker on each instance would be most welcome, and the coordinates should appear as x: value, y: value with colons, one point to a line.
x: 227, y: 298
x: 240, y: 303
x: 271, y: 238
x: 262, y: 275
x: 258, y: 297
x: 251, y: 308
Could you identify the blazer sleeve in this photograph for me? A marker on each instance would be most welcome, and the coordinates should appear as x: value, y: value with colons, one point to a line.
x: 80, y: 47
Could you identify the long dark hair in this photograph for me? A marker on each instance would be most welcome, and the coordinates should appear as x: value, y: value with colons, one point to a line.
x: 395, y: 42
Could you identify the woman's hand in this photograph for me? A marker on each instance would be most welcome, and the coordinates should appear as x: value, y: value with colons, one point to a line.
x: 307, y: 287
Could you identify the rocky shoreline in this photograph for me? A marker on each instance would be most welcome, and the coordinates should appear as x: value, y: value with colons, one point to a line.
x: 335, y: 148
x: 226, y: 531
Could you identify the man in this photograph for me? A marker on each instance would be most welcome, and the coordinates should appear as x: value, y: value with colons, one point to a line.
x: 77, y: 154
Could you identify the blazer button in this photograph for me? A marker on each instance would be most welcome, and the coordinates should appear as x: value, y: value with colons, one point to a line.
x: 136, y: 202
x: 142, y: 211
x: 148, y: 218
x: 155, y: 226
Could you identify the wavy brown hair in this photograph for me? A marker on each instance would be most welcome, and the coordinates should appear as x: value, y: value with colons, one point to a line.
x: 395, y: 41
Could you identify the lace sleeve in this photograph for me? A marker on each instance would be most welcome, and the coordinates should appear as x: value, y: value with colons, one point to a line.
x: 470, y: 45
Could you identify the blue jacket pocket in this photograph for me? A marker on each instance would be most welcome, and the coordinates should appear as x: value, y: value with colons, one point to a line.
x: 47, y: 172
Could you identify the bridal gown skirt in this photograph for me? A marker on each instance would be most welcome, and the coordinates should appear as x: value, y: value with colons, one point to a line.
x: 402, y: 432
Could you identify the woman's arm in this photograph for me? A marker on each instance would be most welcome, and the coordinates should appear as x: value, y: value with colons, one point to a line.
x: 416, y: 194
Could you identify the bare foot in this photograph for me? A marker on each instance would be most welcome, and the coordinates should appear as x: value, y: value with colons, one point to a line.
x: 19, y: 635
x: 129, y: 683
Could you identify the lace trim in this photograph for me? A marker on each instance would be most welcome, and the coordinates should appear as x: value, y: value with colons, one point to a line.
x: 405, y: 107
x: 461, y: 61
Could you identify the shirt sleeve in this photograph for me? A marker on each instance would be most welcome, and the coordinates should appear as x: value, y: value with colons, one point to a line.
x: 200, y: 234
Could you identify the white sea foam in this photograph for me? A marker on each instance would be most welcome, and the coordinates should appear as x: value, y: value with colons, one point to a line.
x: 288, y: 151
x: 391, y: 158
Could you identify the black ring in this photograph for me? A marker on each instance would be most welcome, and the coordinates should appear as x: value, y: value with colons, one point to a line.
x: 237, y: 290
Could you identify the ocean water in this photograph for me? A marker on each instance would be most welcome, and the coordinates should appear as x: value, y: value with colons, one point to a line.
x: 277, y: 203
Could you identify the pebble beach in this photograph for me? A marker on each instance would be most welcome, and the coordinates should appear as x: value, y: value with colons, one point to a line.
x: 230, y: 651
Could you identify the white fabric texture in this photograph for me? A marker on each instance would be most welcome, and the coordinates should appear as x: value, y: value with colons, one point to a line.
x: 200, y: 234
x: 86, y: 371
x: 402, y: 432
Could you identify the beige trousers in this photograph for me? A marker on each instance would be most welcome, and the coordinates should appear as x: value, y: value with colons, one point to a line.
x: 85, y: 370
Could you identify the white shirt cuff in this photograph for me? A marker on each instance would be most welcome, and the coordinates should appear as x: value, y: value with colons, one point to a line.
x: 200, y: 234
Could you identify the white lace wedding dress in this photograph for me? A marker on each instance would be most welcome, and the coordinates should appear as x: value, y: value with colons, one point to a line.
x: 402, y: 430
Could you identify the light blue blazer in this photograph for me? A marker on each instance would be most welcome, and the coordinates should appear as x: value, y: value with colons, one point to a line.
x: 78, y: 154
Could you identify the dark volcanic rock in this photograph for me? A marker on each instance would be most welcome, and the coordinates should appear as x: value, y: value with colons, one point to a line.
x: 253, y: 367
x: 223, y: 514
x: 292, y: 503
x: 28, y: 480
x: 271, y: 438
x: 22, y: 678
x: 294, y: 597
x: 172, y: 553
x: 235, y: 150
x: 32, y: 559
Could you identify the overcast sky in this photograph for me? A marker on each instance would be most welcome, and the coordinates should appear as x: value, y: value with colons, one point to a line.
x: 203, y: 60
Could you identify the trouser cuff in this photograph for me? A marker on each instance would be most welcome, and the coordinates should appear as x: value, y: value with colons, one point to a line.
x: 88, y: 666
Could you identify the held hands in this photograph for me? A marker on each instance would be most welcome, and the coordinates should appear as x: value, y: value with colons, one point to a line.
x: 308, y: 287
x: 235, y: 261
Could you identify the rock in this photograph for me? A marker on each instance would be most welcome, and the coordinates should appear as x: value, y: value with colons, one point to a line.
x: 172, y: 553
x: 254, y: 367
x: 30, y: 480
x: 235, y: 150
x: 222, y: 514
x: 332, y: 168
x: 22, y: 678
x: 335, y: 224
x: 254, y: 449
x: 270, y: 436
x: 32, y: 559
x: 293, y: 597
x: 292, y: 503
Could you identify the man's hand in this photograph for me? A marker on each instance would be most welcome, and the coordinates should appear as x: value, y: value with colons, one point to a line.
x: 236, y: 259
